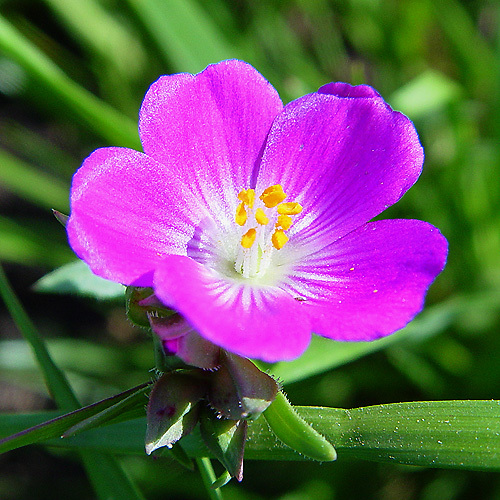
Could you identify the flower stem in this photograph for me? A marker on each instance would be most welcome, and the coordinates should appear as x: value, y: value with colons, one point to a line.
x: 208, y: 476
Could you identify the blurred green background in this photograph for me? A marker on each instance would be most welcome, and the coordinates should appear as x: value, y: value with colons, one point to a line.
x: 72, y: 77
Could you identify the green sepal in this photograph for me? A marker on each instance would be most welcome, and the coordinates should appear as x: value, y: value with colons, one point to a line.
x: 172, y: 410
x: 135, y: 312
x: 226, y: 440
x: 295, y: 432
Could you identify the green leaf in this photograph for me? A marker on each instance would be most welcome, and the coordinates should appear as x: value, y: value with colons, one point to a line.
x: 108, y: 478
x: 325, y: 354
x: 114, y: 42
x: 20, y: 243
x: 84, y: 418
x: 226, y: 439
x: 443, y: 434
x: 456, y: 434
x: 77, y: 278
x: 54, y: 377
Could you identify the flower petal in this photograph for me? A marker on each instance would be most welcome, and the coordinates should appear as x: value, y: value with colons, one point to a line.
x: 256, y: 322
x: 371, y: 282
x: 126, y: 214
x: 210, y: 127
x: 343, y: 159
x: 341, y: 89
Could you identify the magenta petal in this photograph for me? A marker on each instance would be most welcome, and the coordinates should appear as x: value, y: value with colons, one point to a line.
x: 126, y: 214
x: 210, y: 128
x: 249, y: 320
x: 341, y: 89
x: 345, y: 160
x: 371, y: 282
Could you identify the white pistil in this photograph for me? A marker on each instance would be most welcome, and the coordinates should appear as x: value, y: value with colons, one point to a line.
x: 263, y: 222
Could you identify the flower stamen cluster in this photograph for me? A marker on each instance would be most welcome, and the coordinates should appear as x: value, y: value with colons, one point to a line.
x: 260, y: 238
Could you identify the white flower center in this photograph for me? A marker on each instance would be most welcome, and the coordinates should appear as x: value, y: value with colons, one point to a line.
x: 263, y: 224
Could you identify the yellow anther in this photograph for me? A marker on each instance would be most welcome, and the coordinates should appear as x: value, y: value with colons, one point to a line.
x: 241, y: 215
x: 248, y: 238
x: 247, y: 196
x: 290, y: 208
x: 284, y: 221
x: 279, y: 239
x: 261, y: 217
x: 272, y: 196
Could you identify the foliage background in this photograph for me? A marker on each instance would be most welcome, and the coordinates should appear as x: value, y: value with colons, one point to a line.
x: 438, y: 61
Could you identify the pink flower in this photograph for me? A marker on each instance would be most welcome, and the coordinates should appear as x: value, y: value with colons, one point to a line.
x: 250, y: 218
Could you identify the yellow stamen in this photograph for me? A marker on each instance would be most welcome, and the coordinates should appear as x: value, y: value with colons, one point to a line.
x: 248, y: 238
x: 247, y: 196
x: 261, y: 217
x: 241, y: 215
x: 272, y: 196
x: 290, y: 208
x: 284, y: 221
x: 279, y: 239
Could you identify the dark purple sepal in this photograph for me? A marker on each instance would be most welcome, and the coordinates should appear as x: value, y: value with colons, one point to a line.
x: 173, y: 408
x: 239, y: 390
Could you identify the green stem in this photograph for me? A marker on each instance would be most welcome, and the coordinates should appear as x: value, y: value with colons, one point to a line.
x: 208, y: 476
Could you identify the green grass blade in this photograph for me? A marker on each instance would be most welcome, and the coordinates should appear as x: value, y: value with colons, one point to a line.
x: 30, y: 183
x: 116, y: 128
x: 325, y: 354
x: 108, y: 478
x: 70, y: 423
x: 104, y: 471
x: 22, y: 244
x: 439, y: 434
x: 473, y: 52
x: 54, y: 377
x: 100, y: 31
x: 185, y: 35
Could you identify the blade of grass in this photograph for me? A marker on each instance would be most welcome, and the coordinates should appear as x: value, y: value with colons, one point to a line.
x: 102, y: 33
x: 30, y: 183
x: 54, y: 377
x: 116, y: 128
x: 444, y: 434
x: 87, y: 417
x: 20, y: 243
x: 325, y: 354
x: 185, y: 35
x: 107, y: 476
x: 473, y: 52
